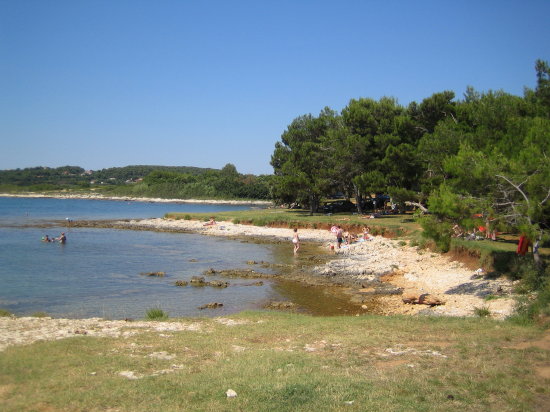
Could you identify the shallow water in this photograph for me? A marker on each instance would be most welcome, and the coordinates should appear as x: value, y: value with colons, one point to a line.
x: 98, y: 271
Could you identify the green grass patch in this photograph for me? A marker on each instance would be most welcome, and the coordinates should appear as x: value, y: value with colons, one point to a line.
x: 156, y: 314
x: 285, y: 362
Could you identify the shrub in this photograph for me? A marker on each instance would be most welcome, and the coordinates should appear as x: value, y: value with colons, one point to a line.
x: 40, y: 315
x: 187, y: 217
x: 156, y: 314
x: 438, y: 231
x: 482, y: 312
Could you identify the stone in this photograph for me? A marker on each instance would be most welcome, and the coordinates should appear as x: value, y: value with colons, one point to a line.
x: 422, y: 299
x: 197, y: 281
x: 181, y: 283
x: 211, y: 305
x: 218, y: 284
x: 157, y: 274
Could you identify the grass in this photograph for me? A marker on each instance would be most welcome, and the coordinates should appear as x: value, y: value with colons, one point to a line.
x: 156, y: 314
x: 392, y: 225
x: 482, y: 312
x: 286, y: 362
x: 5, y: 313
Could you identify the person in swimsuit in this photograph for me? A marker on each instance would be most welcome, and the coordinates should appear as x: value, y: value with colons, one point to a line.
x: 62, y: 238
x: 339, y: 237
x: 296, y: 241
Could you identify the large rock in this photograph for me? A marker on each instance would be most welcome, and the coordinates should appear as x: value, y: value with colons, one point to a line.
x: 422, y: 299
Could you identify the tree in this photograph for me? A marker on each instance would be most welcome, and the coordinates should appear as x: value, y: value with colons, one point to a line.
x: 300, y: 160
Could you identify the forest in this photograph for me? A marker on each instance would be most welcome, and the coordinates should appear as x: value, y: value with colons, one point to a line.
x: 479, y: 160
x: 182, y: 182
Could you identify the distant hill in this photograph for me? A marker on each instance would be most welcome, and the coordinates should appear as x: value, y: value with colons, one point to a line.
x: 75, y: 175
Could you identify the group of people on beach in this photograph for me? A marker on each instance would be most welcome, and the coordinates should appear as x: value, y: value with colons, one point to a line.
x: 341, y: 237
x: 61, y: 239
x: 347, y: 237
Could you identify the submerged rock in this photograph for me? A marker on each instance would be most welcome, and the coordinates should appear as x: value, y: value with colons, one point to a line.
x: 239, y: 273
x: 211, y: 305
x: 157, y: 274
x: 197, y: 281
x: 218, y: 283
x: 181, y: 283
x: 286, y: 305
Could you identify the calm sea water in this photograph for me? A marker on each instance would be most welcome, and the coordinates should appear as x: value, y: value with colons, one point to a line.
x: 97, y: 272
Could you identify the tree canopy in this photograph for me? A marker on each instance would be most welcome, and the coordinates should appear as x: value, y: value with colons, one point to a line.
x: 479, y: 160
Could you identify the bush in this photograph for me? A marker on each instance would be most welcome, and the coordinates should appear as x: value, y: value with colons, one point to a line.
x: 156, y: 314
x: 439, y: 232
x: 482, y: 312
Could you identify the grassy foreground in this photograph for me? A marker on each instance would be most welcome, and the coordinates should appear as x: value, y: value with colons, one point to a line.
x: 288, y: 362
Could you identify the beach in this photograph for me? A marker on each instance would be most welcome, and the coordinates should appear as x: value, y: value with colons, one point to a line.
x: 448, y: 288
x: 385, y: 270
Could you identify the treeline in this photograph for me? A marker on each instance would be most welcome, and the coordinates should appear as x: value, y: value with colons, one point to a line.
x: 142, y: 181
x: 75, y: 175
x: 226, y: 183
x: 483, y: 159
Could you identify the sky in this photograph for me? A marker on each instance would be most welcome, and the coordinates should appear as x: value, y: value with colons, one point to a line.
x: 102, y: 83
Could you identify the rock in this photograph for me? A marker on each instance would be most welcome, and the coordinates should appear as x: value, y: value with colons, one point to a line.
x: 211, y: 305
x: 231, y: 393
x: 157, y: 274
x: 281, y: 305
x: 181, y: 283
x: 259, y: 283
x: 218, y: 284
x: 197, y: 281
x: 422, y: 299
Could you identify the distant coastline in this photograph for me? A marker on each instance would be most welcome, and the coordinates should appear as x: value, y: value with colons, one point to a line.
x: 134, y: 199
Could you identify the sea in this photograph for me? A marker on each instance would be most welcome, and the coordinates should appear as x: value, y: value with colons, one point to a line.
x: 99, y: 272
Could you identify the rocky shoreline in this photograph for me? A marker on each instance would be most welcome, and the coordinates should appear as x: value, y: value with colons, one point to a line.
x: 381, y: 268
x: 400, y: 280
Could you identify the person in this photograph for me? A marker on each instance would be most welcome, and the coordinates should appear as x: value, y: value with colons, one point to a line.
x: 46, y: 239
x: 212, y: 222
x: 366, y: 233
x: 62, y: 238
x: 339, y: 237
x: 296, y: 241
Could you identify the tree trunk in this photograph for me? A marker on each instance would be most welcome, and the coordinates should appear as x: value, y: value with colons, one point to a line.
x: 358, y: 199
x: 313, y: 204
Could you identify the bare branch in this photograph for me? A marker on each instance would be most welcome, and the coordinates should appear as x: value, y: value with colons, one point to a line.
x: 517, y: 187
x: 418, y: 205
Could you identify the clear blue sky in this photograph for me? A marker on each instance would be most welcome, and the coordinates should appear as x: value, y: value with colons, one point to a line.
x: 203, y: 83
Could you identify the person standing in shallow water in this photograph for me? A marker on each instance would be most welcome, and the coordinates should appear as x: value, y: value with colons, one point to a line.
x: 296, y: 241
